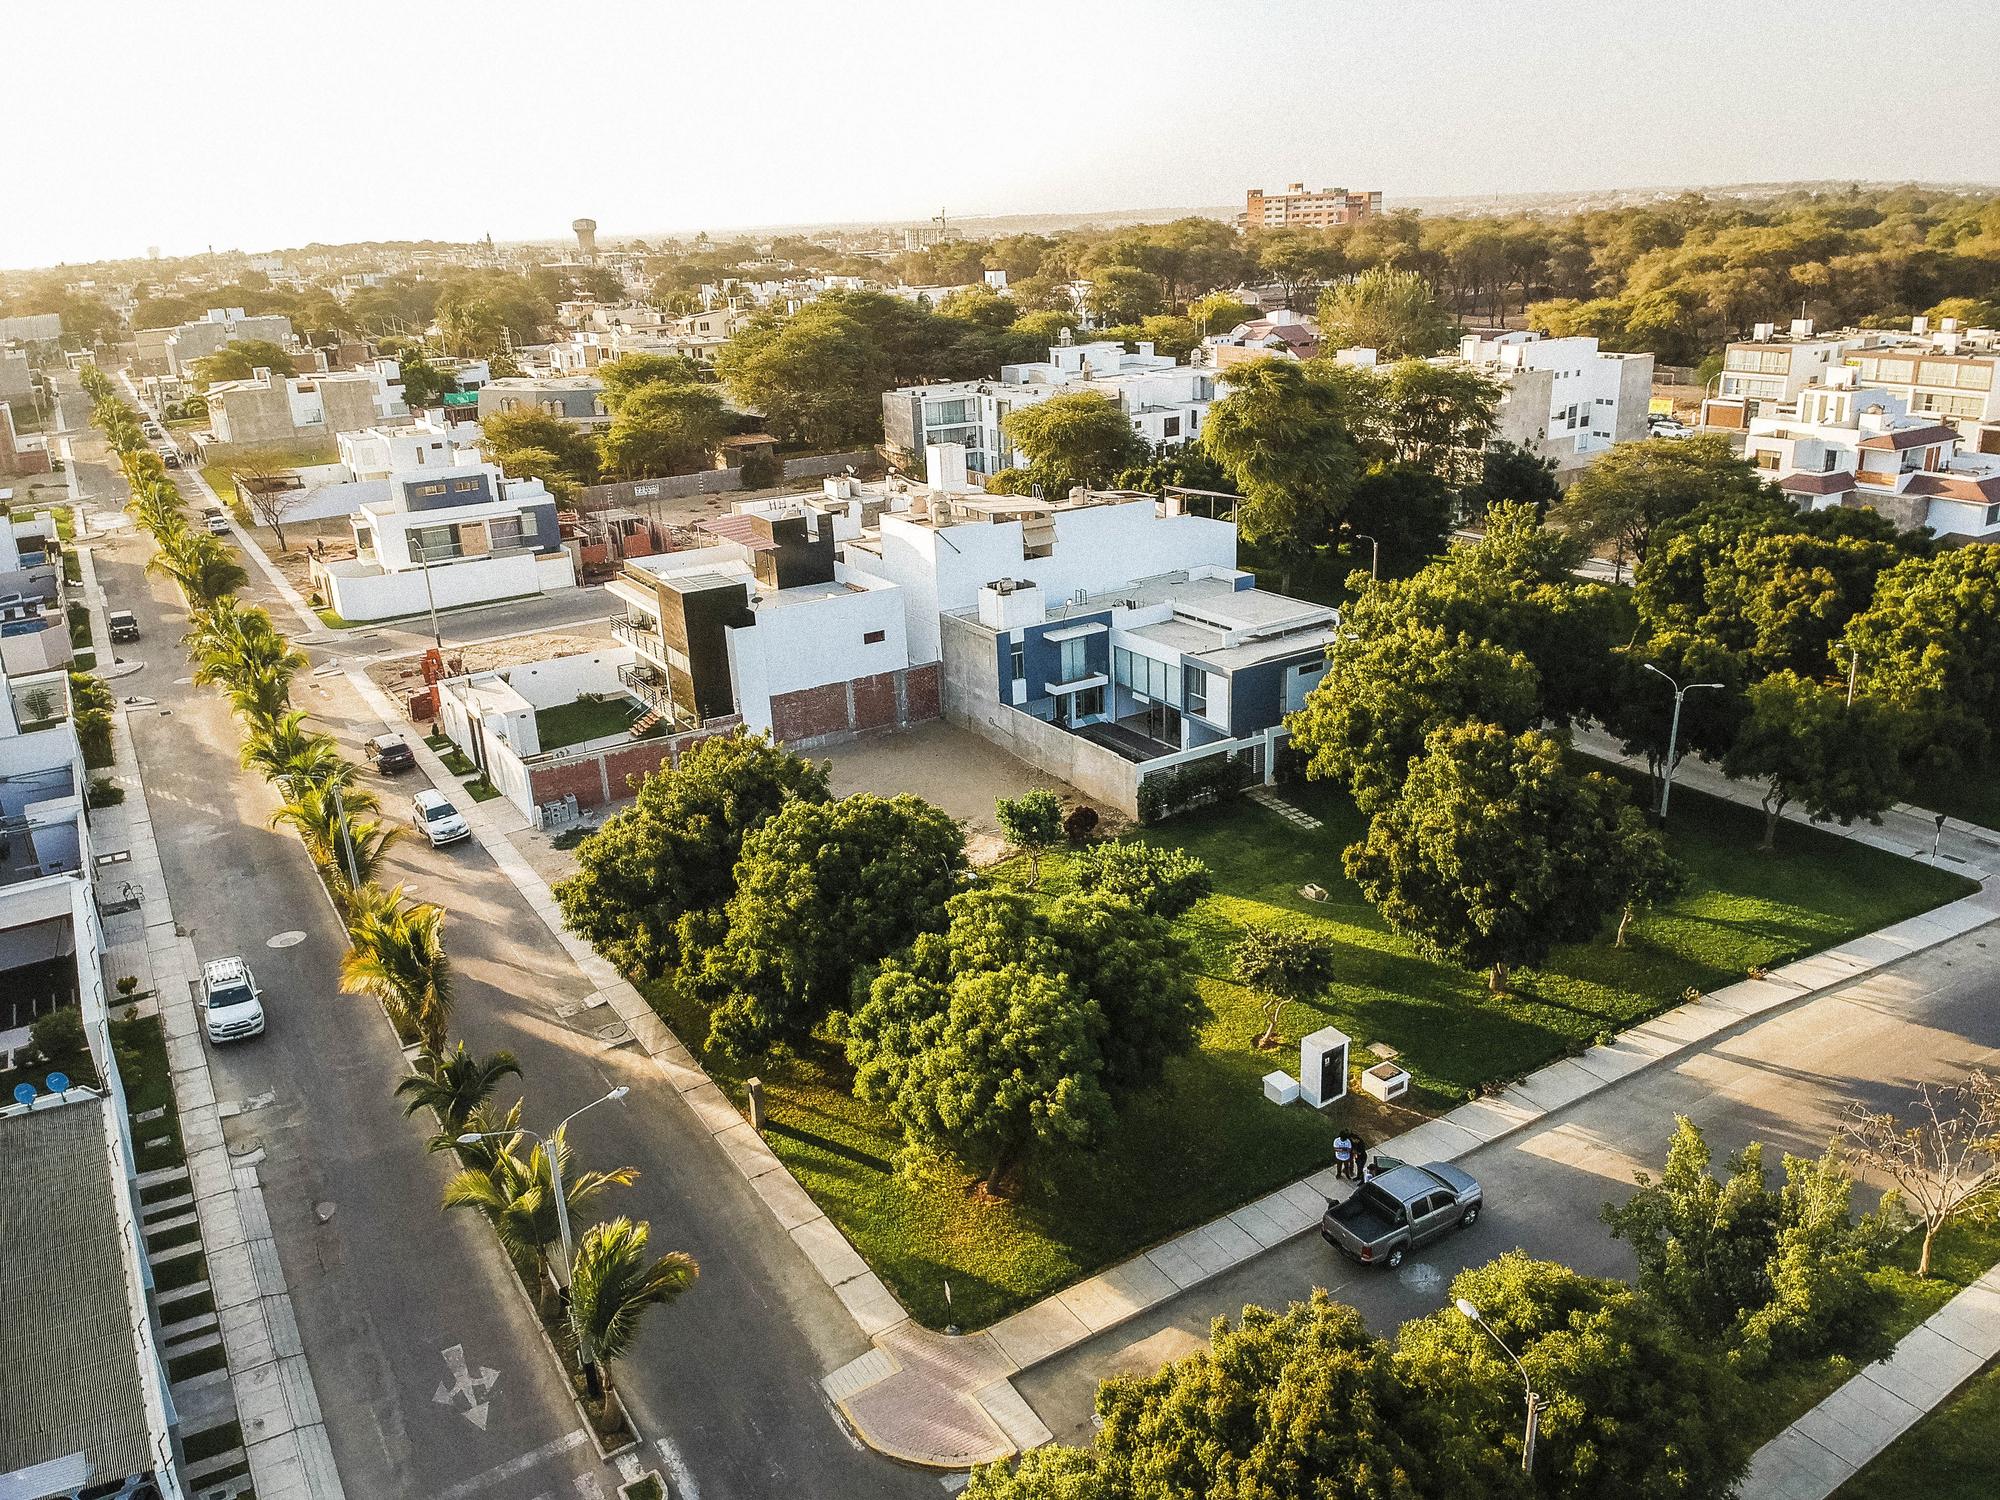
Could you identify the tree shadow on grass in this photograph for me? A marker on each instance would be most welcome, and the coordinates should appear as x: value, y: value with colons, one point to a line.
x: 830, y: 1147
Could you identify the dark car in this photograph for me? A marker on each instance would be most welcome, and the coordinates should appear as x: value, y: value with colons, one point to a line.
x: 1401, y: 1209
x: 391, y: 754
x: 124, y: 625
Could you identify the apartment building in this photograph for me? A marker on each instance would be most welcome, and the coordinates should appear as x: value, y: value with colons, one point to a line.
x: 1849, y: 443
x: 1296, y: 208
x: 173, y: 351
x: 20, y: 455
x: 269, y: 410
x: 460, y: 535
x: 1166, y: 402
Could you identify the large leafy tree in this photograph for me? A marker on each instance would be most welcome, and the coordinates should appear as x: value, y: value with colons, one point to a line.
x: 1077, y: 438
x: 1392, y: 312
x: 1630, y: 491
x: 633, y: 372
x: 651, y: 883
x: 505, y: 434
x: 1639, y: 706
x: 1929, y: 642
x: 1013, y: 1028
x: 1808, y: 745
x: 1629, y: 1404
x: 1385, y: 692
x: 1406, y: 510
x: 1123, y: 294
x: 240, y: 359
x: 1438, y: 417
x: 823, y: 890
x: 1495, y: 851
x: 665, y: 429
x: 1511, y: 475
x: 1282, y: 965
x: 817, y: 376
x: 1288, y: 436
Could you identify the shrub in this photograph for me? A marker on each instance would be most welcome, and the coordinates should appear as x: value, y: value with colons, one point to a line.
x: 104, y: 792
x: 58, y: 1036
x: 79, y: 625
x: 1081, y: 823
x: 1195, y: 784
x: 127, y: 985
x: 90, y: 712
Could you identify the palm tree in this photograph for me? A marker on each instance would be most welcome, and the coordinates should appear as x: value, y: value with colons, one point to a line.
x: 294, y: 756
x: 611, y: 1286
x: 262, y: 693
x: 398, y: 957
x: 201, y: 565
x: 314, y: 814
x: 455, y: 1086
x: 517, y: 1198
x: 499, y: 1136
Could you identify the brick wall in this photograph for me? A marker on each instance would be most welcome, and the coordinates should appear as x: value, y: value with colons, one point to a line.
x: 841, y: 710
x: 611, y: 775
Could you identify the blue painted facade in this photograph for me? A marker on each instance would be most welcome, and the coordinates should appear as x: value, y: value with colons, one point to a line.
x: 1256, y: 694
x: 1042, y: 659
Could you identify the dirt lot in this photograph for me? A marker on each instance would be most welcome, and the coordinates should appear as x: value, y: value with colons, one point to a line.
x: 402, y: 675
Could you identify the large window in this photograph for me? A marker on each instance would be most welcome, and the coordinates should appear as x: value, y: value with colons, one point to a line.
x: 1194, y: 689
x: 1144, y: 676
x: 1017, y: 661
x: 503, y: 532
x: 433, y: 542
x: 1074, y: 659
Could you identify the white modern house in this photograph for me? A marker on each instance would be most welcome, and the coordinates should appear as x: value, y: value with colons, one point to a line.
x: 1166, y: 402
x: 1848, y: 443
x: 456, y: 536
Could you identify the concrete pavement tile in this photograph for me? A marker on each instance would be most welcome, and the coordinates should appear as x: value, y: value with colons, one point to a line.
x: 1970, y: 1320
x: 185, y: 1055
x: 1222, y: 1244
x: 261, y: 1402
x: 712, y: 1108
x: 1112, y: 1296
x: 1684, y: 1025
x: 1556, y: 1086
x: 1012, y: 1415
x: 221, y: 1222
x: 246, y: 1335
x: 1748, y: 997
x: 1856, y: 1424
x: 1818, y: 972
x: 1323, y: 1184
x: 300, y: 1396
x: 1260, y: 1226
x: 684, y: 1076
x: 1491, y: 1118
x: 1434, y: 1140
x: 1926, y: 1367
x: 193, y: 1089
x: 208, y: 1172
x: 1173, y: 1261
x: 277, y: 1471
x: 1621, y: 1057
x: 827, y: 1248
x: 1304, y: 1199
x: 1876, y: 949
x: 859, y: 1373
x: 201, y: 1131
x: 746, y: 1149
x: 1793, y: 1467
x: 264, y: 1261
x: 1034, y: 1333
x: 250, y: 1207
x: 789, y: 1203
x: 316, y: 1459
x: 1288, y: 1214
x: 871, y: 1304
x: 232, y: 1280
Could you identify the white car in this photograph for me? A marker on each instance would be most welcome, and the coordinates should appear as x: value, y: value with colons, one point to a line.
x: 437, y: 819
x: 218, y: 523
x: 1670, y: 427
x: 232, y: 1005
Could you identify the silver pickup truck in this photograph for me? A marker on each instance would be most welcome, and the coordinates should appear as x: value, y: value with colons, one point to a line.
x: 1402, y: 1208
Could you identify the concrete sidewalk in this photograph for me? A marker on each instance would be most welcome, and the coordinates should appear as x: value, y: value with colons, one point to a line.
x: 1827, y: 1446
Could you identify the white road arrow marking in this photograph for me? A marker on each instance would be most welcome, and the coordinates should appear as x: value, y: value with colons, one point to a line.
x: 474, y: 1388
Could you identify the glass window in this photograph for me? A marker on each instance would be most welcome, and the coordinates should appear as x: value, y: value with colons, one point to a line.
x: 1017, y: 661
x: 1089, y: 701
x: 1194, y: 689
x: 873, y: 637
x: 1072, y: 659
x: 503, y: 531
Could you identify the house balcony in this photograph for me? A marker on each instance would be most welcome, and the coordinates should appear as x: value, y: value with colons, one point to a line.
x: 649, y: 685
x: 640, y: 634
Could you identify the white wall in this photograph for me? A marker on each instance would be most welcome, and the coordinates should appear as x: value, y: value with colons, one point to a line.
x: 792, y: 647
x: 381, y: 596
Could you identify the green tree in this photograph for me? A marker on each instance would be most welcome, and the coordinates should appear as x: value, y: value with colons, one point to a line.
x: 1391, y: 312
x: 1511, y: 475
x: 1494, y: 852
x: 1808, y: 745
x: 1280, y: 965
x: 1438, y: 418
x: 456, y: 1086
x: 240, y: 359
x: 1929, y: 642
x: 505, y: 434
x: 1406, y: 510
x: 818, y: 376
x: 424, y: 384
x: 823, y: 889
x: 1123, y: 294
x: 1164, y: 881
x: 1639, y: 706
x: 611, y: 1286
x: 1032, y: 821
x: 1078, y: 438
x: 516, y: 1196
x: 651, y: 883
x: 1384, y: 694
x: 396, y: 955
x: 1286, y: 435
x: 1219, y: 312
x: 1633, y: 489
x: 1629, y: 1404
x: 665, y: 429
x: 633, y: 372
x: 1641, y: 869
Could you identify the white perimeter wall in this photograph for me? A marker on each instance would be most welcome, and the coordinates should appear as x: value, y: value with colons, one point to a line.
x: 808, y: 645
x: 382, y: 596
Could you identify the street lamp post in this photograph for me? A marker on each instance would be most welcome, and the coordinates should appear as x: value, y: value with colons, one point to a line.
x: 430, y: 599
x: 551, y: 1145
x: 1374, y: 549
x: 1534, y: 1401
x: 1853, y: 667
x: 1674, y: 733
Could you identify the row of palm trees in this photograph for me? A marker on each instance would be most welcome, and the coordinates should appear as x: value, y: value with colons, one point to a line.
x: 396, y: 950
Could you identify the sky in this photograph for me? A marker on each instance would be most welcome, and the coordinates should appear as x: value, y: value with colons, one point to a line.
x: 258, y: 125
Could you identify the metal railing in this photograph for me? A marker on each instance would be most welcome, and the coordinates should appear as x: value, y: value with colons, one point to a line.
x: 649, y: 685
x: 640, y: 634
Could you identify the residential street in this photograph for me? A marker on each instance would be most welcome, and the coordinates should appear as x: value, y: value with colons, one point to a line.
x: 1783, y: 1080
x: 385, y: 1284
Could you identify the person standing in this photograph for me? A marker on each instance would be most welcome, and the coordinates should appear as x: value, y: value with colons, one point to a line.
x: 1343, y: 1156
x: 1362, y: 1172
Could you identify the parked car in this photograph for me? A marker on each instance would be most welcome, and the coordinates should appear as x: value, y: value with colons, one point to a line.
x: 1668, y: 427
x: 391, y: 754
x: 218, y: 523
x: 232, y: 1005
x: 171, y: 457
x: 1400, y: 1209
x: 437, y: 819
x: 124, y: 625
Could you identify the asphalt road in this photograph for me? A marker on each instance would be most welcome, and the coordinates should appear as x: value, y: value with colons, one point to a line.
x: 1783, y: 1080
x: 726, y: 1380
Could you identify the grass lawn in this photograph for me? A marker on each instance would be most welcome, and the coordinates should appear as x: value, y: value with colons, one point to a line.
x: 1205, y: 1141
x: 1952, y: 1454
x: 1975, y: 799
x: 574, y: 723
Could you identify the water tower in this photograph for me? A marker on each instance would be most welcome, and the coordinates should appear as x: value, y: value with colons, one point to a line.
x: 586, y: 238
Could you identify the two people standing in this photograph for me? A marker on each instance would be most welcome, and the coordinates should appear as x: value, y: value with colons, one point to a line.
x: 1350, y: 1157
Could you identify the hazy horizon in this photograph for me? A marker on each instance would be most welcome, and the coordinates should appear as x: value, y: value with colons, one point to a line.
x: 365, y: 121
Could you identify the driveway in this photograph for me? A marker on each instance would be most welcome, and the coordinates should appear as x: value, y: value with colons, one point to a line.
x: 1784, y: 1080
x: 950, y: 767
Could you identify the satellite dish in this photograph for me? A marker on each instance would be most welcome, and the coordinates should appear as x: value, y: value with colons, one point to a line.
x: 57, y: 1082
x: 24, y: 1093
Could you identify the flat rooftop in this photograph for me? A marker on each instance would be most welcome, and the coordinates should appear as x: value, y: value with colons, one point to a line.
x: 69, y: 1375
